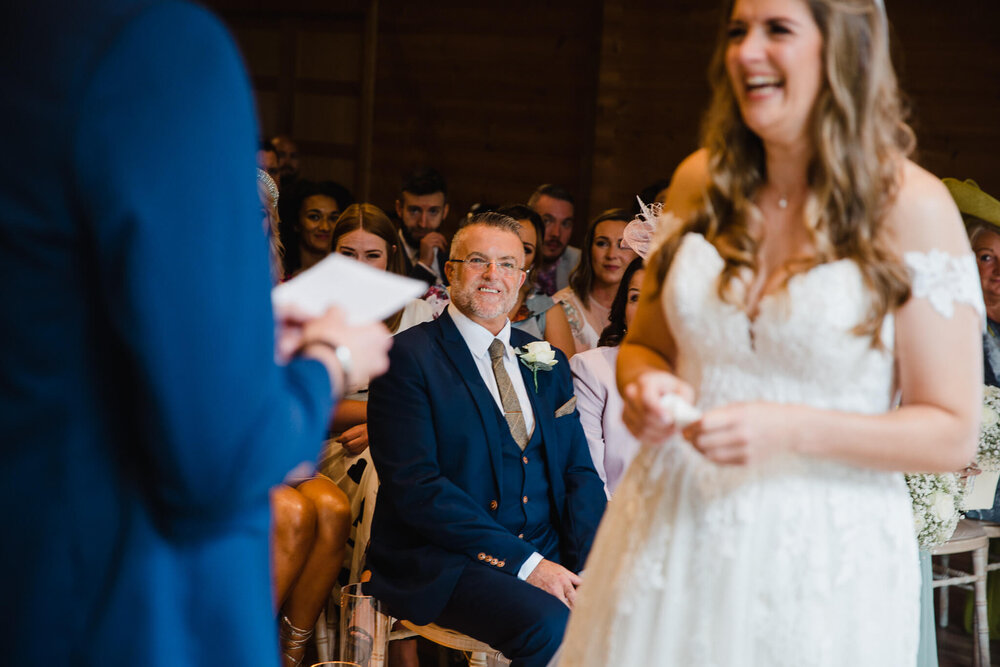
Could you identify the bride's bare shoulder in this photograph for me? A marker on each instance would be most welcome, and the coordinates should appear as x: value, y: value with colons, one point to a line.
x: 923, y: 215
x: 688, y: 186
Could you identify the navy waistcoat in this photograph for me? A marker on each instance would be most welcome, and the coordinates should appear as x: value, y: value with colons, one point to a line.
x: 525, y: 506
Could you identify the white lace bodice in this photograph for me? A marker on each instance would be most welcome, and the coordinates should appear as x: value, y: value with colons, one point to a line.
x: 799, y: 347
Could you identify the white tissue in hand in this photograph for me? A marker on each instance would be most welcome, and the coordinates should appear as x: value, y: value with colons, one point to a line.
x: 682, y: 412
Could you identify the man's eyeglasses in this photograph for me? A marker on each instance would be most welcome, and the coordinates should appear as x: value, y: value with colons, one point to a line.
x: 480, y: 264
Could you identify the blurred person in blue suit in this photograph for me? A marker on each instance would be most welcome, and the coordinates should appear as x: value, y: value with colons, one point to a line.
x: 149, y: 400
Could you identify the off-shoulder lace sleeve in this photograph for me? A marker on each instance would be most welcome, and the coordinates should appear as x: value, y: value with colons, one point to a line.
x: 945, y: 280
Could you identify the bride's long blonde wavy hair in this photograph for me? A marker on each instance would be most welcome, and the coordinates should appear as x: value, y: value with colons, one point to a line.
x: 860, y: 137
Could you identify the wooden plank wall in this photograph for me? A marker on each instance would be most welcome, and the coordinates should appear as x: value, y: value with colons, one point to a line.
x: 602, y: 96
x: 948, y: 58
x: 305, y: 59
x: 653, y: 87
x: 498, y: 96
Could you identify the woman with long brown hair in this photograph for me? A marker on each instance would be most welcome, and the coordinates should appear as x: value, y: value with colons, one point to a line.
x: 584, y: 306
x: 816, y: 273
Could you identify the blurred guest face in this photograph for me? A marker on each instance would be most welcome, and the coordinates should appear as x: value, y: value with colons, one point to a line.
x: 288, y: 156
x: 775, y: 63
x: 365, y: 247
x: 268, y: 161
x: 987, y: 248
x: 421, y: 214
x: 557, y: 214
x: 607, y: 255
x: 316, y: 219
x: 485, y: 294
x: 632, y: 304
x: 268, y: 209
x: 661, y: 196
x: 529, y: 239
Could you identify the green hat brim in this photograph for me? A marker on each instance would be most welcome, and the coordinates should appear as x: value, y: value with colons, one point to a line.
x: 971, y: 200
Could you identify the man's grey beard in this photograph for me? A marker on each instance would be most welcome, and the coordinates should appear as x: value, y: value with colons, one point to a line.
x: 466, y: 304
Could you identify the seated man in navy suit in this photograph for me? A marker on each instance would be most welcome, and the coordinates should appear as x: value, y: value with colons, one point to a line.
x: 489, y: 498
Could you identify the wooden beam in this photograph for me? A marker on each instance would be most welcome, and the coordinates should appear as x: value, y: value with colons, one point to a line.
x: 366, y: 110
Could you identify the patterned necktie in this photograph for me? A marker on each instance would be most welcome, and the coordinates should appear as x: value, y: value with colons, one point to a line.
x: 511, y: 406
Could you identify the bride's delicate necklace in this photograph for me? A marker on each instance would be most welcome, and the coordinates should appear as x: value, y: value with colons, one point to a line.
x: 782, y: 198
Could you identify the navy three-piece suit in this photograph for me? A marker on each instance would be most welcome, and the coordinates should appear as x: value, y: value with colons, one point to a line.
x: 460, y: 505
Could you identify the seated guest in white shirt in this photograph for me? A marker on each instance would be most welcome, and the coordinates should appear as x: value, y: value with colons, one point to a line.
x: 489, y: 500
x: 612, y: 446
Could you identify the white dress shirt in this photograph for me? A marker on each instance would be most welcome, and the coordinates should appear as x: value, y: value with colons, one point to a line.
x: 478, y: 339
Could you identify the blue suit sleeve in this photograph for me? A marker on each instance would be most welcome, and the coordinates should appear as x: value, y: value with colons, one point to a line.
x: 405, y: 449
x: 164, y: 166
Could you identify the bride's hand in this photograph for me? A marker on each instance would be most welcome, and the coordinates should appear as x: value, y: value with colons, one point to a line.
x: 644, y: 414
x: 744, y: 433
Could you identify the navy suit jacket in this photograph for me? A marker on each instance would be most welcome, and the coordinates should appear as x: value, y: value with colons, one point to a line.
x: 435, y: 438
x: 142, y: 416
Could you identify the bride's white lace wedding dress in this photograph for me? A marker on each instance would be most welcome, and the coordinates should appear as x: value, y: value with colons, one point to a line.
x: 793, y: 562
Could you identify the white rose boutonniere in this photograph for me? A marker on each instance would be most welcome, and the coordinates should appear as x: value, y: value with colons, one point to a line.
x: 537, y: 356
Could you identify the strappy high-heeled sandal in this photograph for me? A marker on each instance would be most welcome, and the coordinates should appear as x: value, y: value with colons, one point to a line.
x: 293, y: 642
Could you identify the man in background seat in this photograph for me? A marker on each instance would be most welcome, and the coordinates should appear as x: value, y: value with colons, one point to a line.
x: 421, y: 207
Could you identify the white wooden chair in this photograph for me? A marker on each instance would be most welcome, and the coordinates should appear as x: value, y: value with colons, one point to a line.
x: 992, y: 530
x: 476, y: 652
x: 968, y: 537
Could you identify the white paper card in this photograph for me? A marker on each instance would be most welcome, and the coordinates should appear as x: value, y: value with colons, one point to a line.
x: 363, y: 293
x: 981, y: 490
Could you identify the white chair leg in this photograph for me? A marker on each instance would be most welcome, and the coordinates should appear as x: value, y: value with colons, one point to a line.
x: 982, y: 626
x: 477, y: 659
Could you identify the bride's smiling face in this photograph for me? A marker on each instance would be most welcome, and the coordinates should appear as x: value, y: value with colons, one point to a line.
x: 774, y: 58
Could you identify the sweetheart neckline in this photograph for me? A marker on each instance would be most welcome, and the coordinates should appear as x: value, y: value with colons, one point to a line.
x: 768, y: 296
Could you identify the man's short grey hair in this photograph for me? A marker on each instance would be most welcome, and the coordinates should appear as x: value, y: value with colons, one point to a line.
x: 486, y: 219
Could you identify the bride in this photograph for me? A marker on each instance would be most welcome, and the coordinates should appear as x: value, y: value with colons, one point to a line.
x: 815, y: 274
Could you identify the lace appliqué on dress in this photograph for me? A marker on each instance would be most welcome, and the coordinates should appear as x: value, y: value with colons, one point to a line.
x: 945, y: 280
